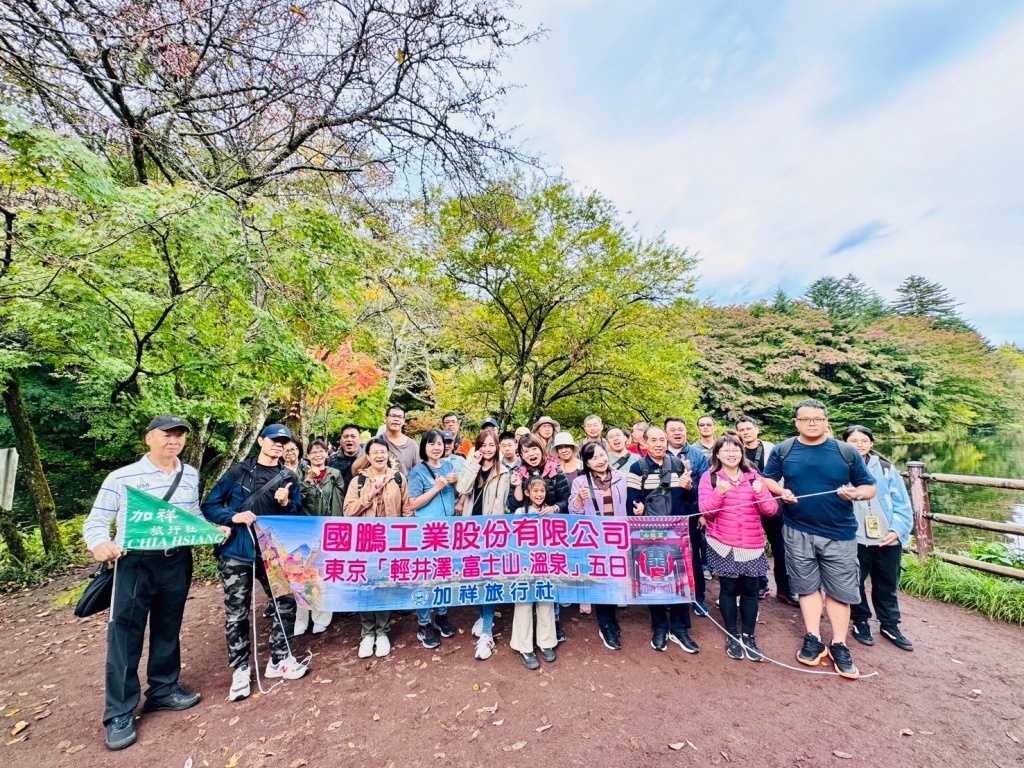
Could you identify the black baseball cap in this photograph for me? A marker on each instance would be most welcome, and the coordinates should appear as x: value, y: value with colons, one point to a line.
x: 167, y: 422
x: 275, y: 431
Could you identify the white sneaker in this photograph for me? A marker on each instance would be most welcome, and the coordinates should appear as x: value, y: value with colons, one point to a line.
x: 366, y: 646
x: 239, y: 684
x: 585, y: 609
x: 484, y: 646
x: 318, y: 628
x: 300, y: 631
x: 383, y: 645
x: 288, y: 668
x: 478, y: 627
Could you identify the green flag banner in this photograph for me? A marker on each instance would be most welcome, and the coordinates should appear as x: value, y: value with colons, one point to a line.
x: 153, y: 523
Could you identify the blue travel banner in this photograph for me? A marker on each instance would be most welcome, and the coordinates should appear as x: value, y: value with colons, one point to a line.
x: 376, y: 564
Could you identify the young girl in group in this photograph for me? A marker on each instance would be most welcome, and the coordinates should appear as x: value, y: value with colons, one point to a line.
x: 522, y: 617
x: 484, y: 488
x: 732, y: 498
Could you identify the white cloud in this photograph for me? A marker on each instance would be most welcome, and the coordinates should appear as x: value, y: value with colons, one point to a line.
x: 766, y: 188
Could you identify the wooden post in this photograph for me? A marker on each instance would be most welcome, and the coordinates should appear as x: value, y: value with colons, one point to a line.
x: 922, y: 509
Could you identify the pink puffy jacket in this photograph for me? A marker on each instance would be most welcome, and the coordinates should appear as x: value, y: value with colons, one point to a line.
x: 739, y: 525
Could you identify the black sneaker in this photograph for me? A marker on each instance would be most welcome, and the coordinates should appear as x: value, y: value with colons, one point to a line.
x: 530, y: 660
x: 444, y: 626
x: 611, y: 642
x: 120, y: 732
x: 548, y: 654
x: 843, y: 661
x: 659, y: 641
x: 752, y: 651
x: 812, y: 651
x: 793, y: 600
x: 763, y: 592
x: 862, y: 633
x: 617, y: 630
x: 733, y: 649
x: 897, y: 638
x: 178, y: 699
x: 269, y: 612
x: 559, y: 632
x: 682, y: 638
x: 428, y: 636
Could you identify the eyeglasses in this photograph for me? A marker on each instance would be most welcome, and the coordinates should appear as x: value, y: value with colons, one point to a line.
x: 812, y: 420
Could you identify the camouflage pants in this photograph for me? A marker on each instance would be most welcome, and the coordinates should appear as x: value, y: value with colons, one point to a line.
x: 236, y: 576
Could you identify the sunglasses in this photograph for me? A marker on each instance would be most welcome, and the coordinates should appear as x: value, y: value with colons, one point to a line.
x: 280, y: 440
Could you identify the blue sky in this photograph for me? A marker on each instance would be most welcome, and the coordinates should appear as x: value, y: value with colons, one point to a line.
x: 782, y: 141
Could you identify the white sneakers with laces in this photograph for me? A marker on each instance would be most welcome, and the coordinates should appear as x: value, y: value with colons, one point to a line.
x: 239, y: 684
x: 366, y: 646
x: 383, y: 645
x: 289, y: 669
x: 484, y: 646
x: 478, y: 627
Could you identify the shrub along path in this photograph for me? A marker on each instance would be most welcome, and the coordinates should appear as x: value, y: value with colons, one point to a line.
x: 954, y: 701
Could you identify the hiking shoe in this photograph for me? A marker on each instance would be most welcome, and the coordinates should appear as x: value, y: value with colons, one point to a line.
x: 548, y: 654
x: 484, y: 646
x: 383, y: 647
x: 897, y: 638
x: 750, y: 647
x: 559, y: 632
x: 700, y: 607
x: 530, y: 660
x: 426, y: 635
x: 617, y: 630
x: 682, y: 638
x: 812, y: 651
x: 478, y: 627
x: 793, y: 600
x: 733, y: 649
x: 288, y: 668
x: 319, y: 629
x: 120, y: 732
x: 659, y: 641
x: 239, y: 684
x: 763, y: 592
x: 366, y: 646
x: 843, y: 661
x: 862, y: 633
x: 444, y: 626
x: 268, y: 612
x: 178, y: 699
x: 611, y: 642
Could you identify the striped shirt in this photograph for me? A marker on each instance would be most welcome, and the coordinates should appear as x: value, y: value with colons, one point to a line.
x: 111, y: 505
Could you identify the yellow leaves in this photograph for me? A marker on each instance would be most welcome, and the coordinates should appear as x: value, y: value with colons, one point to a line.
x: 19, y: 727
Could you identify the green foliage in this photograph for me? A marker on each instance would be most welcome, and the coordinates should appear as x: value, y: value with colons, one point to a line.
x: 38, y: 565
x: 996, y: 553
x: 993, y: 596
x: 919, y: 297
x: 845, y: 299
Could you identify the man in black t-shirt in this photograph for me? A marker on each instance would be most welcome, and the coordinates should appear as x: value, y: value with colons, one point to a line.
x: 351, y: 459
x: 820, y: 529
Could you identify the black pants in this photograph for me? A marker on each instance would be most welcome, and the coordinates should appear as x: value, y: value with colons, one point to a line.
x: 605, y: 615
x: 670, y: 618
x: 883, y: 565
x: 153, y: 586
x: 697, y: 551
x: 745, y: 589
x: 773, y: 530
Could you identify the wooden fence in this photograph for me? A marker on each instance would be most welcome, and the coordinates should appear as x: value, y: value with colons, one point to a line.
x: 923, y: 517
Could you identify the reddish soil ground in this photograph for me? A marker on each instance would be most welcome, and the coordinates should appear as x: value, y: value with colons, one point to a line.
x: 956, y: 700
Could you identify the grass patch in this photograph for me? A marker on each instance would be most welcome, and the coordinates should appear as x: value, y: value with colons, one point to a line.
x: 994, y: 596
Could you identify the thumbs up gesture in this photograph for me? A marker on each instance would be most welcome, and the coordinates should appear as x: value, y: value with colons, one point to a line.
x: 281, y: 494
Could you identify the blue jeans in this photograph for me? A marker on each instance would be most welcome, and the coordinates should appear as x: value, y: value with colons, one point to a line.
x: 423, y: 615
x: 487, y: 614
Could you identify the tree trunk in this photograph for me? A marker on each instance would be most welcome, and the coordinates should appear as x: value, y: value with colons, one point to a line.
x: 195, y: 447
x: 12, y: 536
x: 35, y: 478
x: 241, y: 442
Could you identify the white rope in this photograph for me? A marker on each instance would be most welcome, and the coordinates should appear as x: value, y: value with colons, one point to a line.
x: 113, y: 591
x: 779, y: 663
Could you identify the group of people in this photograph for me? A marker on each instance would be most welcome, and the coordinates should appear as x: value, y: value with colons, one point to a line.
x: 834, y: 513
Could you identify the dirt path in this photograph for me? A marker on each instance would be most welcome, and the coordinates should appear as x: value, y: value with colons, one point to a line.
x: 958, y: 695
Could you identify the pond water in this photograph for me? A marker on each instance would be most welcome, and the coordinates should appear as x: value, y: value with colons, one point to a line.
x: 991, y: 455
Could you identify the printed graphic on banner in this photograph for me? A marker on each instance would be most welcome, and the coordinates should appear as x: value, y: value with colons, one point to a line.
x: 152, y: 523
x: 368, y: 564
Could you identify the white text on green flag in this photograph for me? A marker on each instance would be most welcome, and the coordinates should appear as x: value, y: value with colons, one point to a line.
x: 153, y: 523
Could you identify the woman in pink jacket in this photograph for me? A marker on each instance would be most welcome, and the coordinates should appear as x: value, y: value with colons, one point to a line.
x: 732, y: 499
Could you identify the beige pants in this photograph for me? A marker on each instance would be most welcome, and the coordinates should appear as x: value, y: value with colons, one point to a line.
x: 522, y: 627
x: 321, y: 618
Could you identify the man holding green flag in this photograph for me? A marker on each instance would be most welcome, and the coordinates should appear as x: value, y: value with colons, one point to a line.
x: 153, y: 505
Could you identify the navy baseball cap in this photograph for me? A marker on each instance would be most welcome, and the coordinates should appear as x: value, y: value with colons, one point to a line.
x: 167, y: 422
x: 275, y: 431
x: 447, y: 436
x: 488, y: 422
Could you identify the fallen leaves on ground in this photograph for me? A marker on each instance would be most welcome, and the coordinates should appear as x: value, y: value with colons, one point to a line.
x: 543, y: 728
x: 515, y: 747
x: 843, y: 755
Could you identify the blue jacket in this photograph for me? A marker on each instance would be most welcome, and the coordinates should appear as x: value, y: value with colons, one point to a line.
x: 892, y: 495
x: 698, y: 466
x: 235, y: 487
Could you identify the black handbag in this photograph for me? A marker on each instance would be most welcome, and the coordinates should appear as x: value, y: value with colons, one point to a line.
x: 97, y: 595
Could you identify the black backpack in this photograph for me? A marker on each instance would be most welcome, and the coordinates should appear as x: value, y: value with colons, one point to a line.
x: 658, y: 501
